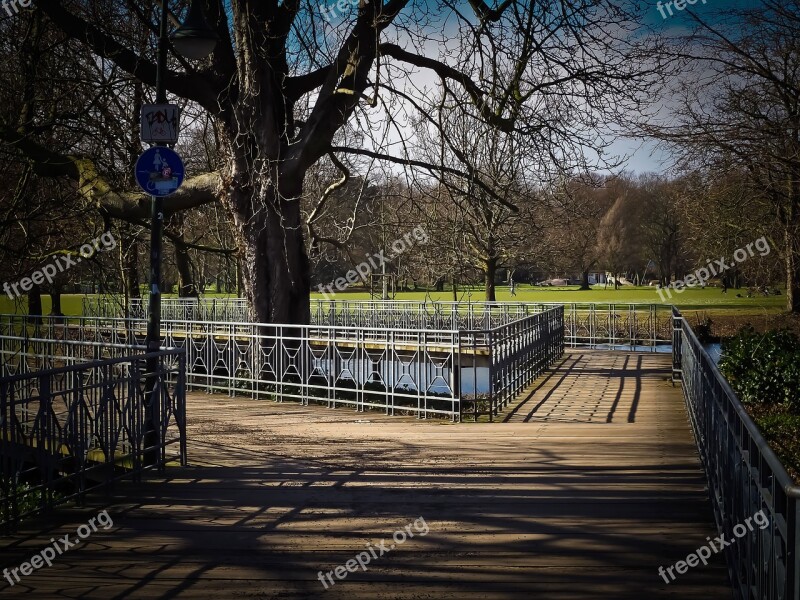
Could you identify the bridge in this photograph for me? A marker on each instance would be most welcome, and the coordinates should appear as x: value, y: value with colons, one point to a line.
x: 602, y: 472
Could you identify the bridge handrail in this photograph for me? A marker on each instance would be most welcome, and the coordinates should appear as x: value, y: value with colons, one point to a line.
x: 744, y: 476
x: 67, y: 430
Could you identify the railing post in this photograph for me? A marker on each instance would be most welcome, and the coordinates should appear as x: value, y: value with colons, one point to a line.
x: 794, y: 543
x: 49, y: 441
x: 677, y: 340
x: 9, y: 507
x: 455, y: 379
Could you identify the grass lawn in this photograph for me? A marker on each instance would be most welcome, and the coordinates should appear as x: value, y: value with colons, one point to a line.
x: 710, y: 300
x: 689, y: 299
x: 71, y: 304
x: 692, y: 302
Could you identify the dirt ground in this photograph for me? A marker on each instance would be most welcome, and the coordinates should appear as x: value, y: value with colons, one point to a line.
x: 726, y: 325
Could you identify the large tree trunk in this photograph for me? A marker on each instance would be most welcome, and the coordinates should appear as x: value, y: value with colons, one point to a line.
x: 736, y: 278
x: 490, y: 271
x: 585, y: 280
x: 792, y: 262
x: 186, y: 285
x: 55, y: 299
x: 130, y: 267
x: 35, y: 304
x: 239, y: 279
x: 275, y: 268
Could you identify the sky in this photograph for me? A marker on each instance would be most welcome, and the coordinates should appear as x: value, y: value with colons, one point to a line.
x: 642, y: 155
x: 679, y: 19
x: 645, y: 156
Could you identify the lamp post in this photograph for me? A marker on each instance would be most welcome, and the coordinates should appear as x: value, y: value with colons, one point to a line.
x: 194, y: 39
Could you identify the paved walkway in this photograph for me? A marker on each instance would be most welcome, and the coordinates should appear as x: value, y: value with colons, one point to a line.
x: 592, y: 485
x: 603, y: 387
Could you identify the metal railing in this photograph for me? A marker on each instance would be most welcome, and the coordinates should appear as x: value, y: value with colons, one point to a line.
x: 744, y: 477
x: 521, y: 351
x: 611, y: 326
x: 190, y: 309
x: 632, y: 327
x: 411, y: 314
x: 51, y: 344
x: 67, y: 430
x: 424, y: 372
x: 399, y: 371
x: 635, y: 327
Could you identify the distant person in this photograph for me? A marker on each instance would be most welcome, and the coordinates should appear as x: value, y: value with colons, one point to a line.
x: 512, y: 286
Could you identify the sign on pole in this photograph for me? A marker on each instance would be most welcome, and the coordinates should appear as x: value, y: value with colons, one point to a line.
x: 159, y: 171
x: 160, y: 123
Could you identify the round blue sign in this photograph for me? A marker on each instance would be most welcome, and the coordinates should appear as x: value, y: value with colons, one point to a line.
x: 159, y: 171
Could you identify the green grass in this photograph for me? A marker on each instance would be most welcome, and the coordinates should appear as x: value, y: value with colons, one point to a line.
x: 691, y: 299
x: 709, y: 299
x: 71, y: 304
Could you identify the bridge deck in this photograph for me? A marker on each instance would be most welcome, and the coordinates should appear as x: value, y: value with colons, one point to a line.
x: 592, y: 485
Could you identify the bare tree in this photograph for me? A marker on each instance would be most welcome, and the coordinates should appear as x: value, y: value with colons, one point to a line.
x: 286, y: 88
x: 572, y: 220
x: 739, y: 111
x: 663, y: 234
x: 619, y: 235
x: 486, y: 206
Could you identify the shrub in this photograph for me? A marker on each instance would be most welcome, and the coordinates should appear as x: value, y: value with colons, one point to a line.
x: 28, y: 499
x: 764, y: 368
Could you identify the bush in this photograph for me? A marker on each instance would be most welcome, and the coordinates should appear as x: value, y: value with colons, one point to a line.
x: 764, y: 368
x: 28, y: 499
x: 702, y: 330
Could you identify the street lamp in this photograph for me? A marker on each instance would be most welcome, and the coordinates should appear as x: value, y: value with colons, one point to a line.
x: 195, y: 39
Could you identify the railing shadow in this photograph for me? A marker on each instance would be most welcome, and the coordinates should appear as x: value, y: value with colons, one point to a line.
x: 580, y: 390
x: 253, y: 521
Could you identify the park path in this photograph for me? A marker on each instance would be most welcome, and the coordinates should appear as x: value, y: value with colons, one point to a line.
x: 591, y: 485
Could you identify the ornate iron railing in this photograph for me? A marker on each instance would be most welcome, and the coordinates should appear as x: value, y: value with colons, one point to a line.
x: 521, y: 351
x: 472, y: 316
x: 424, y: 372
x: 70, y: 429
x: 744, y: 477
x: 636, y: 327
x: 189, y: 309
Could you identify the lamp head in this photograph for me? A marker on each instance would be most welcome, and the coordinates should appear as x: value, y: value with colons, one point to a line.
x: 195, y: 39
